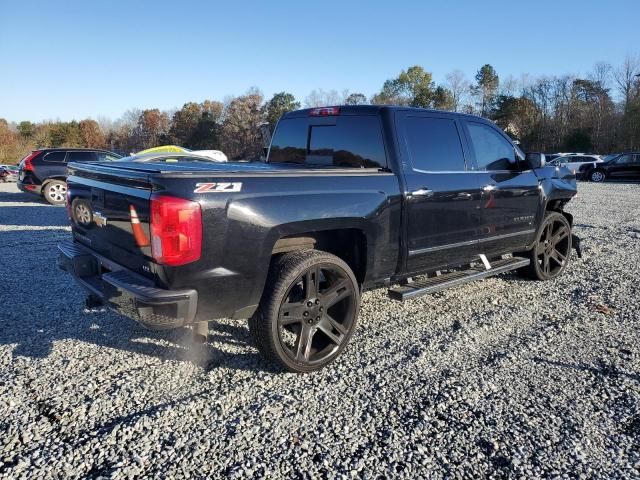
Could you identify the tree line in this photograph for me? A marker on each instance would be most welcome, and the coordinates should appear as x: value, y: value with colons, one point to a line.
x: 599, y: 113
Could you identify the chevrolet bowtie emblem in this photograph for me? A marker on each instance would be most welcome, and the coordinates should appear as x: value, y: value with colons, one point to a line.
x: 100, y: 219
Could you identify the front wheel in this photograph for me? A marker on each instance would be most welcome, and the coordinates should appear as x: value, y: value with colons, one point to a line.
x: 552, y: 250
x: 597, y: 176
x: 308, y: 310
x: 55, y: 192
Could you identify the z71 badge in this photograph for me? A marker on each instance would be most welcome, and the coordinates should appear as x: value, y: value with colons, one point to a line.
x: 218, y: 187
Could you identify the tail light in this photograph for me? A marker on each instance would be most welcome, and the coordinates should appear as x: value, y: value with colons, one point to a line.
x: 324, y: 112
x: 26, y: 162
x: 176, y: 230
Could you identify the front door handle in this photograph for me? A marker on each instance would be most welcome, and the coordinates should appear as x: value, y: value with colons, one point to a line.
x: 422, y: 192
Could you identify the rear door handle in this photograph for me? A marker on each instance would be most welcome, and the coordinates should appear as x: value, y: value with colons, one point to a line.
x: 489, y: 188
x: 422, y: 192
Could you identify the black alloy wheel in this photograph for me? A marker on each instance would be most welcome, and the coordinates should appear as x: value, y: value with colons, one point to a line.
x: 552, y: 251
x: 309, y: 312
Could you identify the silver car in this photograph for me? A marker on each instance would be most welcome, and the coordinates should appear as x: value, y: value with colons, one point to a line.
x: 574, y: 161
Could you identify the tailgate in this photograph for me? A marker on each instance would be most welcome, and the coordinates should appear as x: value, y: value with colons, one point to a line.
x: 110, y: 211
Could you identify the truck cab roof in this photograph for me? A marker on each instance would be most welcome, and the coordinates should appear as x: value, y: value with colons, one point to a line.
x: 372, y: 110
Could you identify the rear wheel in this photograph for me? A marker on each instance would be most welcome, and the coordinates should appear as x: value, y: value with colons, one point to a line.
x: 597, y: 176
x: 552, y: 250
x: 82, y: 213
x: 55, y: 192
x: 308, y: 311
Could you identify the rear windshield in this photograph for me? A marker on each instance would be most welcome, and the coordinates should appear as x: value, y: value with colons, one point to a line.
x: 353, y: 141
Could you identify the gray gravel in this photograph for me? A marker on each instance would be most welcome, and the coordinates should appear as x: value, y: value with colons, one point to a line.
x: 501, y: 378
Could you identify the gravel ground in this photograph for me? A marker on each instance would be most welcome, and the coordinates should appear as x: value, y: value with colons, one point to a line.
x: 501, y: 378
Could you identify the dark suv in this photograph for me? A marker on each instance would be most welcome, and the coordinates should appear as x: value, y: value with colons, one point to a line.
x: 625, y: 165
x: 44, y: 171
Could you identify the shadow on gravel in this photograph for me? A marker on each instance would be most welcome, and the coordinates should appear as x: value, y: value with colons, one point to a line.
x: 103, y: 467
x: 603, y: 370
x: 34, y: 216
x: 42, y: 305
x: 103, y: 330
x: 21, y: 197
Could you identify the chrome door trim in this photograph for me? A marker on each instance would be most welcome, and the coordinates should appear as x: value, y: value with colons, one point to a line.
x: 469, y: 242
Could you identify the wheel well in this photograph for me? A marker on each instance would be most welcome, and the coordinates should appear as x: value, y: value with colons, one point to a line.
x: 349, y: 244
x: 558, y: 206
x: 52, y: 179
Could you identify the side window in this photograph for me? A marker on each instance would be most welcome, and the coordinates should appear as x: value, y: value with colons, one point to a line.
x: 354, y: 141
x: 54, y: 157
x: 81, y: 156
x: 637, y: 159
x: 434, y: 144
x: 624, y: 159
x: 289, y: 144
x: 492, y: 150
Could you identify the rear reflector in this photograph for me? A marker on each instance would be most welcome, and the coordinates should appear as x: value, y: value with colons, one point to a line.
x: 26, y: 163
x: 176, y: 230
x: 324, y: 111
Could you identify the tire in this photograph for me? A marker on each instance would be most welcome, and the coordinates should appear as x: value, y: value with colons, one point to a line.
x: 81, y: 212
x: 55, y: 192
x: 597, y: 176
x: 302, y: 324
x: 552, y: 250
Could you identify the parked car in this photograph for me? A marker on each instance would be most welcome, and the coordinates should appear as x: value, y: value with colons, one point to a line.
x: 44, y: 171
x: 9, y: 173
x: 349, y: 198
x: 215, y: 155
x: 625, y: 165
x: 574, y: 161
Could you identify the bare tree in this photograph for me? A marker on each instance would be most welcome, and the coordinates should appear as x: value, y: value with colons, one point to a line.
x: 601, y: 74
x: 509, y: 86
x: 322, y: 98
x: 458, y: 85
x: 625, y: 77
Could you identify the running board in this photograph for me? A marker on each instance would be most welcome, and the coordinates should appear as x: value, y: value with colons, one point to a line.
x: 453, y: 279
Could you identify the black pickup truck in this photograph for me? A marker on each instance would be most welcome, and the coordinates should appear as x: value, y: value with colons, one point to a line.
x: 349, y: 198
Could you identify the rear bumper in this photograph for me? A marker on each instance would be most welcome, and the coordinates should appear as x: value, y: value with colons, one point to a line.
x: 29, y: 187
x: 127, y: 292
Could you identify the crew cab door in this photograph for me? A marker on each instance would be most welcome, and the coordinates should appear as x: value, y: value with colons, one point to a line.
x: 443, y: 197
x: 511, y: 197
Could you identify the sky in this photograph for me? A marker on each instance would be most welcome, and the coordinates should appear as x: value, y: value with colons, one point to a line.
x: 71, y: 59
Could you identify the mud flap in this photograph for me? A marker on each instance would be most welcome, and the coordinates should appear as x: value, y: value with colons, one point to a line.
x: 575, y: 242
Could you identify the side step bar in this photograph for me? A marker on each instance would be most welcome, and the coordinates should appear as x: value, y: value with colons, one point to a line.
x: 453, y: 279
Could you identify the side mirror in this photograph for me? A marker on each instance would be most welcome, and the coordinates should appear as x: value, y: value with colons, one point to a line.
x: 536, y: 159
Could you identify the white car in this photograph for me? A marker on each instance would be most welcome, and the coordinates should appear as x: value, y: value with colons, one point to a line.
x: 216, y: 155
x: 574, y: 161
